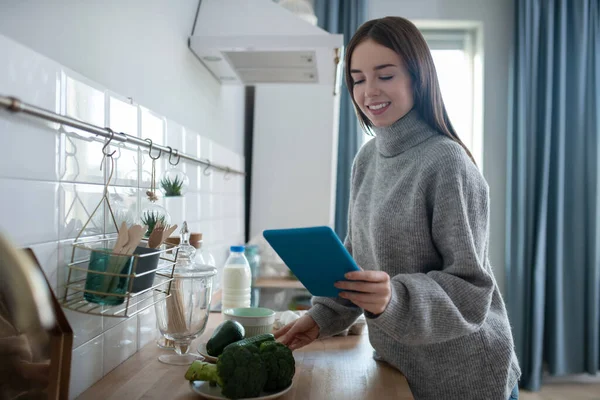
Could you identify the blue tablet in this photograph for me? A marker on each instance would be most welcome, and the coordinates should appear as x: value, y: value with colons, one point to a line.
x: 315, y: 255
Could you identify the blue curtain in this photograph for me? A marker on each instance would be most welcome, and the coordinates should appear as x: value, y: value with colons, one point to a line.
x: 553, y: 216
x: 343, y: 16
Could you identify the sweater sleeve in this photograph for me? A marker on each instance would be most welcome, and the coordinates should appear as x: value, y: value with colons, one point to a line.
x: 334, y: 314
x: 445, y: 304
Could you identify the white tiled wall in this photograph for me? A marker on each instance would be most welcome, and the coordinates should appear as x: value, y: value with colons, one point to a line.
x: 50, y: 181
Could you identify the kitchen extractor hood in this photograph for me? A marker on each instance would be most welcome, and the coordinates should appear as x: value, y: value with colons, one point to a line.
x: 251, y: 42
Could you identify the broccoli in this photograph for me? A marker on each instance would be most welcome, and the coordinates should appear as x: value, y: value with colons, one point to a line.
x: 240, y: 372
x: 280, y: 364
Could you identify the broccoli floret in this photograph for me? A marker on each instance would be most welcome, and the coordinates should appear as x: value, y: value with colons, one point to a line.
x: 280, y: 364
x: 240, y: 372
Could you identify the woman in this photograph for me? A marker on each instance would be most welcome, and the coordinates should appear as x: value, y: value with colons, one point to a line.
x: 419, y: 228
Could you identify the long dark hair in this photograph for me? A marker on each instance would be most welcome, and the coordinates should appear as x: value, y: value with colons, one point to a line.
x: 404, y: 38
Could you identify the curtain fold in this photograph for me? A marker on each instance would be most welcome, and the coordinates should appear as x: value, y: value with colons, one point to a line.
x: 553, y: 221
x: 343, y: 16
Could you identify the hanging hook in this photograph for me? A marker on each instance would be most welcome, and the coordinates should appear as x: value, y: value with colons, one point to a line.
x: 227, y: 174
x: 150, y: 150
x: 112, y: 135
x: 176, y: 155
x: 206, y: 168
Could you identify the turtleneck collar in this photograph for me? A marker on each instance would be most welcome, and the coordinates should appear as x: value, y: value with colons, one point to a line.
x: 407, y: 132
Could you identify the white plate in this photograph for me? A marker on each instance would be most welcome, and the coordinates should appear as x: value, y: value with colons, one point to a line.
x: 214, y: 392
x: 204, y: 353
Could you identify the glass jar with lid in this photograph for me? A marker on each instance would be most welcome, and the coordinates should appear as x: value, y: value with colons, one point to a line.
x: 183, y: 315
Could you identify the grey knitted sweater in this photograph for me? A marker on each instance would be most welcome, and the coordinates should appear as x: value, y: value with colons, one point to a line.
x: 419, y: 211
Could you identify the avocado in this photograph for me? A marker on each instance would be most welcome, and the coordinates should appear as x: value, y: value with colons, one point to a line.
x: 226, y: 333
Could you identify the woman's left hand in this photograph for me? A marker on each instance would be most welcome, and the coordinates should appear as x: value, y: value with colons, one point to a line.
x: 374, y: 290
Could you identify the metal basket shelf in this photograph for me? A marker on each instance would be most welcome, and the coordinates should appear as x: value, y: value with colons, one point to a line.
x: 75, y: 286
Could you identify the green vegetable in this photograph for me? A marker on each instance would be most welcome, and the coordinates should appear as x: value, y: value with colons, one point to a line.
x: 240, y: 372
x: 226, y: 333
x: 254, y: 340
x: 280, y: 363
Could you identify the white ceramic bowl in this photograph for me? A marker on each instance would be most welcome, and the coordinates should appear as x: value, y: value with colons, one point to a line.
x: 255, y: 320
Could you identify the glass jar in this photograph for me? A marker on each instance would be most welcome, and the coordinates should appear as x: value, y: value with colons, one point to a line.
x: 183, y: 315
x: 174, y: 182
x: 152, y: 214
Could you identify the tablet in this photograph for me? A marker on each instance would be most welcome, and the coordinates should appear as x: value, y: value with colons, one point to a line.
x: 315, y: 255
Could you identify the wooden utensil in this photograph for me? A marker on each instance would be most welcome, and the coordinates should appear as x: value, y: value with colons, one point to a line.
x: 122, y: 239
x: 136, y: 233
x: 168, y: 232
x: 156, y: 237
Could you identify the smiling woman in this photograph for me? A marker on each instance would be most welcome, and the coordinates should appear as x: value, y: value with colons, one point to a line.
x: 418, y: 226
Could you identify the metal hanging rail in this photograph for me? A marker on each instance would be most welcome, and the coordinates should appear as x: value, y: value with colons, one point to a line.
x: 17, y: 106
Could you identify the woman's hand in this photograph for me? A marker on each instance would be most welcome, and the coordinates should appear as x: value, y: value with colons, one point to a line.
x: 374, y: 289
x: 298, y: 333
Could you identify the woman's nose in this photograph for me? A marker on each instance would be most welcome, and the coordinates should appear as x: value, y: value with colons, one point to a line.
x: 372, y: 90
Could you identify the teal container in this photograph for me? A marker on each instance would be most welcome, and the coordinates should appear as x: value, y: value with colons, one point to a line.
x: 102, y: 261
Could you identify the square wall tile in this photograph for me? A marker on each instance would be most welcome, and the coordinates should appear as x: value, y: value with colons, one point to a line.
x: 192, y: 169
x: 28, y: 75
x: 217, y: 230
x: 29, y: 211
x: 126, y: 164
x: 81, y: 158
x: 82, y: 100
x: 193, y: 205
x: 120, y: 343
x: 85, y: 326
x: 147, y: 329
x: 206, y: 178
x: 86, y: 366
x: 23, y: 160
x: 152, y: 126
x: 218, y: 154
x: 217, y: 205
x: 192, y: 142
x: 176, y: 208
x: 77, y: 203
x: 47, y: 256
x: 122, y: 115
x: 175, y: 137
x: 110, y: 322
x: 206, y: 203
x: 124, y: 204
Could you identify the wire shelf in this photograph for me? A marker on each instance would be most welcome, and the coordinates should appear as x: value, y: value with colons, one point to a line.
x: 81, y: 296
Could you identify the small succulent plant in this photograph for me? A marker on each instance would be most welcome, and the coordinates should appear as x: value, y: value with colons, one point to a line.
x: 172, y: 187
x: 150, y: 219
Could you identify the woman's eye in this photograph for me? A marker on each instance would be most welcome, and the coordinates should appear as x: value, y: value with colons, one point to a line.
x: 386, y: 78
x: 358, y: 81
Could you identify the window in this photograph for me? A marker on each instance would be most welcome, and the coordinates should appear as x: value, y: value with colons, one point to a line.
x: 458, y: 68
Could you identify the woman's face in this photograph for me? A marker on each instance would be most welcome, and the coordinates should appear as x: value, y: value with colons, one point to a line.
x: 382, y: 85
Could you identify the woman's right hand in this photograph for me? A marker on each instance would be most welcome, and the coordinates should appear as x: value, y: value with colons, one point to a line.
x: 298, y: 333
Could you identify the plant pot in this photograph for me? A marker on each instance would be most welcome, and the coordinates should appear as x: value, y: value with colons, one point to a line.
x: 144, y: 264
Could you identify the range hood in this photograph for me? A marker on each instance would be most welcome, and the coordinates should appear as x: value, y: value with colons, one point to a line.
x: 251, y: 42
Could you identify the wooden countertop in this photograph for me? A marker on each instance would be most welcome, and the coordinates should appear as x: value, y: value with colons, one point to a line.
x: 278, y: 283
x: 329, y: 369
